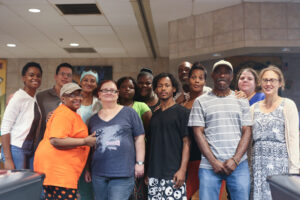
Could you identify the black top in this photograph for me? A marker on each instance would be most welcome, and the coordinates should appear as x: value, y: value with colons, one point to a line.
x: 195, y: 153
x: 153, y: 108
x: 167, y: 129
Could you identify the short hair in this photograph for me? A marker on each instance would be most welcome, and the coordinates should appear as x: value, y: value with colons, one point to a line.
x: 121, y: 80
x: 145, y: 72
x: 163, y: 75
x: 199, y: 66
x: 253, y: 72
x: 277, y: 71
x: 106, y: 81
x: 31, y: 64
x: 63, y: 65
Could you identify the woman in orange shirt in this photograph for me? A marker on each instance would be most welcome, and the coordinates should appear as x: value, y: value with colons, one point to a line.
x: 63, y: 152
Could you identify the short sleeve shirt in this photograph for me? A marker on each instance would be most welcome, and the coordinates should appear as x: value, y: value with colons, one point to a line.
x: 62, y: 167
x: 222, y: 119
x: 167, y: 129
x: 140, y: 108
x: 114, y: 155
x: 48, y: 101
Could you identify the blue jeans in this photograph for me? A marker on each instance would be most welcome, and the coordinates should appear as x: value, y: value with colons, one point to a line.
x: 112, y: 188
x: 21, y: 161
x: 238, y: 183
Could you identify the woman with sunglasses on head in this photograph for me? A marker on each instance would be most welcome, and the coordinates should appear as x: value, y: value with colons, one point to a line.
x: 248, y: 83
x: 90, y: 105
x: 120, y: 148
x: 275, y: 148
x: 127, y: 92
x: 63, y: 152
x: 21, y: 121
x: 145, y: 91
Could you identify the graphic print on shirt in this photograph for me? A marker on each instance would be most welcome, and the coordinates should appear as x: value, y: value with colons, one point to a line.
x: 108, y: 138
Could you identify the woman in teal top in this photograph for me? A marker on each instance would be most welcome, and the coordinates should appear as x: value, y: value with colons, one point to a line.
x: 89, y: 106
x: 127, y: 89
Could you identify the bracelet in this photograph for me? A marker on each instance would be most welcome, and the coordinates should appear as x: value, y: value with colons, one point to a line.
x: 139, y: 162
x: 236, y: 162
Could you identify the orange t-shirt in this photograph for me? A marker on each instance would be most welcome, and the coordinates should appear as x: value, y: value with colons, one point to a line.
x: 62, y: 167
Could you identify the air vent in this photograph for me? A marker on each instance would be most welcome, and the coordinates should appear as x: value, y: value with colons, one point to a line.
x: 80, y: 50
x: 78, y: 9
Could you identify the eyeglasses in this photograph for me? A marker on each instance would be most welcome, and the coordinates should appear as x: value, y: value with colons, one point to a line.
x: 105, y: 91
x: 65, y: 74
x: 271, y: 80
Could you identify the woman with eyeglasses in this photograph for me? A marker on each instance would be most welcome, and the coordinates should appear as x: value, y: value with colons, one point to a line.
x: 120, y: 148
x: 90, y: 105
x: 63, y: 152
x: 275, y: 148
x: 248, y: 83
x: 21, y: 121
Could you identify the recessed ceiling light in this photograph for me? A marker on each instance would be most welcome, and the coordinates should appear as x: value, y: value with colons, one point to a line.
x: 286, y: 49
x: 34, y: 10
x: 216, y: 55
x: 74, y: 44
x: 11, y: 45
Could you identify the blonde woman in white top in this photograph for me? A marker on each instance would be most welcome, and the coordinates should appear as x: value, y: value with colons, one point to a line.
x: 275, y: 148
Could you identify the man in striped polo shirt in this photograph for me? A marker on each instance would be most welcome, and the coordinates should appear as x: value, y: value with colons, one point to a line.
x: 222, y: 128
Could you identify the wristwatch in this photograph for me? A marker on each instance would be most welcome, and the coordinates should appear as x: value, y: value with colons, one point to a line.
x: 139, y: 162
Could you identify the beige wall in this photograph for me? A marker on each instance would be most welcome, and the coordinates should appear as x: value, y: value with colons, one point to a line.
x: 121, y: 67
x: 238, y: 27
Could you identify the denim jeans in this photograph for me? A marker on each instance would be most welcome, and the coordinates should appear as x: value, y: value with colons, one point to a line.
x: 19, y: 158
x: 106, y: 188
x: 238, y: 183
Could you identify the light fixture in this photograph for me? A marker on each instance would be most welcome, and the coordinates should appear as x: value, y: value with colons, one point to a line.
x: 11, y: 45
x: 216, y: 55
x: 286, y: 49
x: 74, y: 44
x: 34, y: 10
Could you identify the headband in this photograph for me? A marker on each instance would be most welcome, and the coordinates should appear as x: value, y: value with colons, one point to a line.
x: 90, y: 72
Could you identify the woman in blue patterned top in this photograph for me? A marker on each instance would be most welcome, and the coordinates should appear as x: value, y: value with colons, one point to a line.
x: 275, y: 148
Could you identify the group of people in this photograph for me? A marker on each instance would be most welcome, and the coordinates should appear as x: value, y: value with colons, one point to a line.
x: 149, y: 139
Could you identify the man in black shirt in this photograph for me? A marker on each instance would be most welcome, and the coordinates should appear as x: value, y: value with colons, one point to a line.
x: 169, y: 143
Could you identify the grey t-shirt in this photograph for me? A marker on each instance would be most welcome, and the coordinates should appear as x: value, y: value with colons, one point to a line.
x: 48, y: 101
x: 222, y: 119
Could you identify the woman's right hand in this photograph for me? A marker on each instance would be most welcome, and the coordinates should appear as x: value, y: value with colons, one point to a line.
x: 9, y: 164
x: 90, y: 140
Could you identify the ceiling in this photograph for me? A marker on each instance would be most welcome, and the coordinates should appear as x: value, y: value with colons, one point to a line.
x: 117, y: 32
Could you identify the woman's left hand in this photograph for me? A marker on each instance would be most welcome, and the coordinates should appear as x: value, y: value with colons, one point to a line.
x: 139, y: 170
